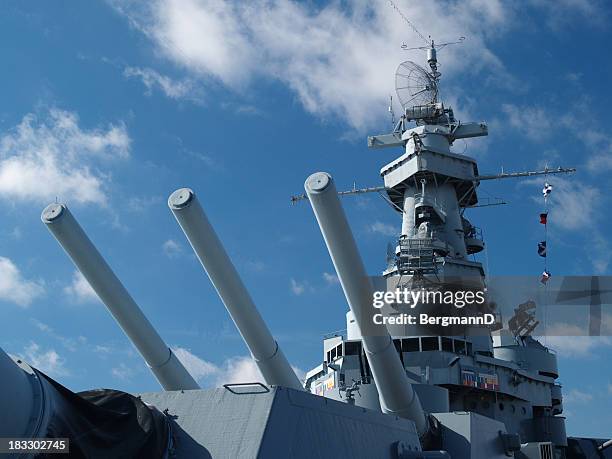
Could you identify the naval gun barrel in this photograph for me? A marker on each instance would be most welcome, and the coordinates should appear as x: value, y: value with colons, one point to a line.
x: 166, y: 367
x: 206, y: 244
x: 395, y: 391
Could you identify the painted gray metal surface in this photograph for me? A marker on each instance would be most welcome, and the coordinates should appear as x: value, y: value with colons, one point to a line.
x: 471, y: 436
x: 279, y: 423
x: 168, y: 370
x: 17, y: 398
x: 396, y: 394
x: 265, y: 350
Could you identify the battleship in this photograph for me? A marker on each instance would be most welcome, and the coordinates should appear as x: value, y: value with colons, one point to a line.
x: 380, y: 390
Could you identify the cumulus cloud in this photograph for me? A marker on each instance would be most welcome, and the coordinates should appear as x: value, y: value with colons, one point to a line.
x: 239, y: 369
x: 576, y: 396
x: 338, y: 59
x: 198, y: 367
x: 572, y: 203
x: 569, y: 340
x: 561, y: 14
x: 48, y: 361
x: 72, y: 344
x: 172, y: 249
x: 233, y: 370
x: 383, y: 228
x: 297, y: 288
x: 534, y: 122
x: 50, y: 155
x: 174, y: 89
x: 577, y: 346
x: 79, y: 289
x: 14, y: 288
x: 122, y: 372
x: 331, y: 279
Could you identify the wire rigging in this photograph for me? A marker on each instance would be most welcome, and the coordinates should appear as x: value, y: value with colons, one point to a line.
x: 410, y: 24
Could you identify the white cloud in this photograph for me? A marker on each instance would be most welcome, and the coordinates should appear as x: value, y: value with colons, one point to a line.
x: 577, y: 346
x: 79, y: 289
x: 72, y: 344
x: 572, y: 202
x: 198, y: 367
x: 174, y: 89
x: 237, y: 370
x: 14, y: 288
x: 539, y: 126
x: 569, y: 340
x: 576, y: 396
x: 50, y: 157
x: 534, y: 122
x: 576, y: 206
x: 47, y: 361
x: 102, y: 350
x: 383, y: 228
x: 172, y: 249
x: 339, y: 59
x: 561, y: 15
x: 331, y: 279
x: 233, y: 370
x: 599, y: 163
x: 297, y: 288
x: 122, y: 372
x: 255, y: 265
x: 140, y: 204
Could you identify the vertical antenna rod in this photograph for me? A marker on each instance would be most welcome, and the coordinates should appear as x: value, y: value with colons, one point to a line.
x: 168, y: 370
x: 394, y: 389
x: 206, y: 244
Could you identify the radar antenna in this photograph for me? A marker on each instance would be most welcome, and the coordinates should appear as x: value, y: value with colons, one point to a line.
x: 414, y: 85
x: 417, y: 88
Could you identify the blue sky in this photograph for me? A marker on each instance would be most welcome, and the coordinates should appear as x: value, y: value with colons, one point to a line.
x: 111, y: 106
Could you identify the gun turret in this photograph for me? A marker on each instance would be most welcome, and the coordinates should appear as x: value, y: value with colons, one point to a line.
x: 17, y: 400
x: 265, y: 350
x: 395, y: 391
x: 168, y: 370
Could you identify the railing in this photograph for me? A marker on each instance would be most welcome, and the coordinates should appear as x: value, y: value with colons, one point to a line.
x: 474, y: 233
x: 416, y: 256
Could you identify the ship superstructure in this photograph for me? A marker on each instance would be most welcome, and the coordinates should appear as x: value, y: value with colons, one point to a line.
x: 510, y: 380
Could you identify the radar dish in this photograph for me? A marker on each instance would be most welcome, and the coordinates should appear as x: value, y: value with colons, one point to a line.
x: 414, y: 85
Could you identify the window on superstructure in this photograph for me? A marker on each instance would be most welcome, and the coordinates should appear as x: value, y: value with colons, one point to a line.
x: 429, y: 343
x: 410, y: 345
x: 352, y: 348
